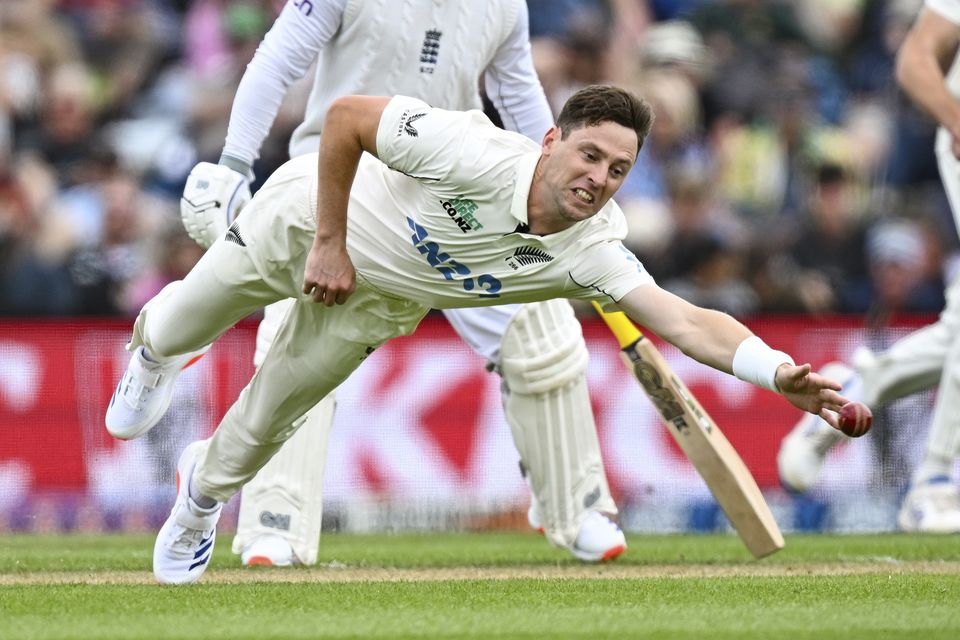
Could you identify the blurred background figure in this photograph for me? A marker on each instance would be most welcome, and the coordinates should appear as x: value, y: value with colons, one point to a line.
x: 903, y: 278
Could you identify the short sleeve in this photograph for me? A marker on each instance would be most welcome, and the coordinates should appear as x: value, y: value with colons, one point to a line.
x: 609, y: 270
x: 419, y: 140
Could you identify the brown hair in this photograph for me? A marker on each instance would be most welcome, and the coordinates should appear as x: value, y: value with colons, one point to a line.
x: 596, y: 104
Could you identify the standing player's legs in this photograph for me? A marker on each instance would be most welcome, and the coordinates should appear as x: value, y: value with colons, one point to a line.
x: 933, y: 502
x: 539, y: 350
x: 281, y: 509
x: 915, y: 363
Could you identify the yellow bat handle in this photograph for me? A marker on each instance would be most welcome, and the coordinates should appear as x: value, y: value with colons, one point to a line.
x: 622, y: 327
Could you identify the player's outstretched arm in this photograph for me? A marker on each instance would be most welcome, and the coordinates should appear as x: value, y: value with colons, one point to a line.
x: 720, y: 341
x: 350, y: 128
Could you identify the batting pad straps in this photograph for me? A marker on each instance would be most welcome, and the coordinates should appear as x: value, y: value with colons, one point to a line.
x: 757, y: 363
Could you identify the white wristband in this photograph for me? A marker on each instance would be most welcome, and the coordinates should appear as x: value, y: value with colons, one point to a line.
x: 757, y: 363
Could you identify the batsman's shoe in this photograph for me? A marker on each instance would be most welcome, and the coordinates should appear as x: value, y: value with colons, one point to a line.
x: 598, y: 540
x: 533, y: 517
x: 931, y: 507
x: 269, y: 550
x: 185, y: 542
x: 804, y: 450
x: 144, y: 392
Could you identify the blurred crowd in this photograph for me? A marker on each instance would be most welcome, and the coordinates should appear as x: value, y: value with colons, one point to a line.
x: 785, y: 171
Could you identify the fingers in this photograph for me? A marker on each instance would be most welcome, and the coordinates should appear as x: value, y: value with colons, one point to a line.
x: 832, y: 400
x: 825, y: 383
x: 328, y: 295
x: 830, y: 417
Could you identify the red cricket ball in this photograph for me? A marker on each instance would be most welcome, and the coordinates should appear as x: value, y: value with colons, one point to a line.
x: 855, y: 419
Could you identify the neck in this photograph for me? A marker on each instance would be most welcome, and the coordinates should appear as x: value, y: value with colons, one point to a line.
x: 542, y: 218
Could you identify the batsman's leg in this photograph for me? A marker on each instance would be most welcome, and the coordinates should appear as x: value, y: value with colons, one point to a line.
x: 542, y: 358
x: 281, y: 509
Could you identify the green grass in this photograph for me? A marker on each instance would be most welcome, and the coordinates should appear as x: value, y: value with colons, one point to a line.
x: 885, y: 586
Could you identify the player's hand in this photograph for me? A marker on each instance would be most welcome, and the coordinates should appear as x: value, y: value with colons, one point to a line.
x: 810, y: 391
x: 329, y: 276
x: 212, y: 198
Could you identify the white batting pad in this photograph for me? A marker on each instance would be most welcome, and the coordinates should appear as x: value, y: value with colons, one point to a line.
x: 547, y: 404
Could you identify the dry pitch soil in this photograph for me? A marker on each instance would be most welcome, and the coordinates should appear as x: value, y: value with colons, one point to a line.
x: 334, y: 573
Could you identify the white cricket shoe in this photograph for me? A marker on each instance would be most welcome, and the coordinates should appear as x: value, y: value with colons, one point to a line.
x: 931, y: 507
x: 144, y: 392
x: 185, y: 542
x: 269, y: 550
x: 598, y: 540
x: 804, y: 449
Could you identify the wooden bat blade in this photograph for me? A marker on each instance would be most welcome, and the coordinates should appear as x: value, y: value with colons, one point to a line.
x: 704, y: 444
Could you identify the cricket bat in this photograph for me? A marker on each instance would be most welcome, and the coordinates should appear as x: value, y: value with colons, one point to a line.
x: 698, y: 435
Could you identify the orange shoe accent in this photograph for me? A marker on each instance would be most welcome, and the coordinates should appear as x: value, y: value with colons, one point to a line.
x: 259, y: 561
x: 193, y: 360
x: 613, y: 552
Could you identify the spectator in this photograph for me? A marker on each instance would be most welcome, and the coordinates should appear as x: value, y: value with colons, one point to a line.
x: 822, y: 267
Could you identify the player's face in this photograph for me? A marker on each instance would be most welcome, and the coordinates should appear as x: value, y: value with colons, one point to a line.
x: 582, y: 172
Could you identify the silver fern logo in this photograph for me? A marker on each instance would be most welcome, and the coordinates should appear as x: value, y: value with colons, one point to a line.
x: 524, y: 256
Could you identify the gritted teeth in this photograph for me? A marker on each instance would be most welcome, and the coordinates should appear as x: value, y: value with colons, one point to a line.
x: 584, y: 195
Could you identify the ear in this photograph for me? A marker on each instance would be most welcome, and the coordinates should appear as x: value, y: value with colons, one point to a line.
x: 550, y: 139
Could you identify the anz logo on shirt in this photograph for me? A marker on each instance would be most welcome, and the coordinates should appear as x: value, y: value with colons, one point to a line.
x: 430, y: 51
x: 484, y: 284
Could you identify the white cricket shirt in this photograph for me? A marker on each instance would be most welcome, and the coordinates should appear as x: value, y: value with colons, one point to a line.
x: 440, y: 219
x: 434, y: 50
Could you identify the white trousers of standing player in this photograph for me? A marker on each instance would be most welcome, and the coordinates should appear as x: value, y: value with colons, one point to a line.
x: 931, y: 354
x: 540, y: 352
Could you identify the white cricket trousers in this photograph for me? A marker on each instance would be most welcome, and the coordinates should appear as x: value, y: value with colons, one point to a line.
x: 931, y: 354
x: 315, y: 349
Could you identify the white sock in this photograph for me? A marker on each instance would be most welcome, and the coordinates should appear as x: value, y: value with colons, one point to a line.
x: 202, y: 501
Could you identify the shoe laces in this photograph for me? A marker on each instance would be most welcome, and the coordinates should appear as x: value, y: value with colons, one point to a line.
x: 133, y: 392
x: 188, y: 539
x: 140, y: 379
